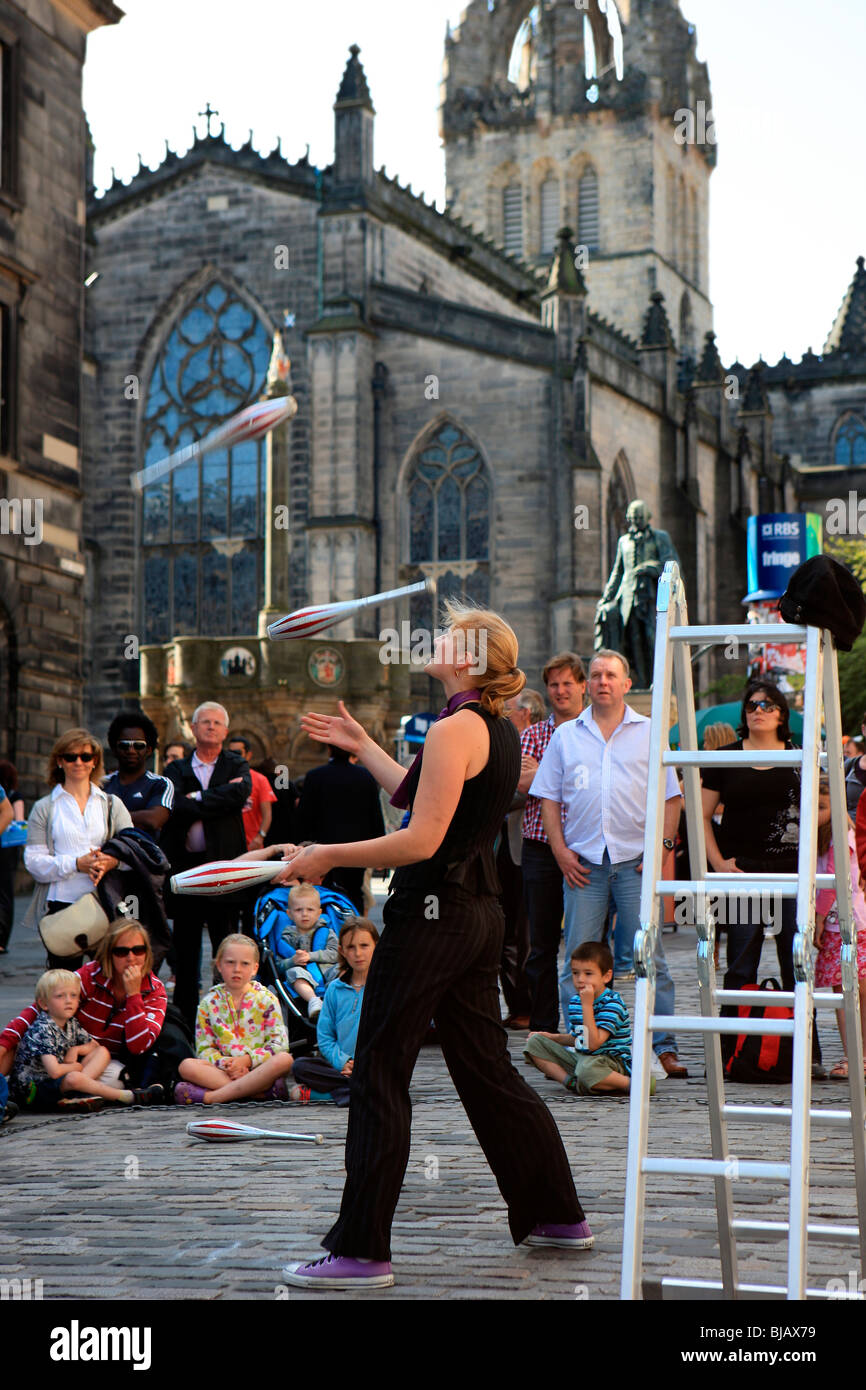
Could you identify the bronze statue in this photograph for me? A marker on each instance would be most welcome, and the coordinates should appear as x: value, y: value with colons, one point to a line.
x: 625, y: 619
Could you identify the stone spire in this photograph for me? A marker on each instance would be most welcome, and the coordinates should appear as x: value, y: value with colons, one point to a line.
x: 353, y: 127
x: 755, y: 400
x: 353, y: 88
x: 848, y: 333
x: 656, y: 328
x: 710, y: 366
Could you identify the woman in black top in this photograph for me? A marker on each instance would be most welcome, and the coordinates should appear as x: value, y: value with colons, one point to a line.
x: 759, y: 833
x: 439, y: 958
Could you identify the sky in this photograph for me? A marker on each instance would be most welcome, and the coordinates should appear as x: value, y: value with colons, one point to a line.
x: 788, y: 195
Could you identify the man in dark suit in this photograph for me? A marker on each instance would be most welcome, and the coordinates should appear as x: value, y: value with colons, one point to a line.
x: 210, y: 790
x: 340, y: 804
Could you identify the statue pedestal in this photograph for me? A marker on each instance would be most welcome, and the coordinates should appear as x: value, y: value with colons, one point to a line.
x: 641, y: 701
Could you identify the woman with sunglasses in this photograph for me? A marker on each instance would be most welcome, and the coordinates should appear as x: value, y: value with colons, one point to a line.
x: 65, y: 831
x: 759, y: 833
x: 122, y: 1006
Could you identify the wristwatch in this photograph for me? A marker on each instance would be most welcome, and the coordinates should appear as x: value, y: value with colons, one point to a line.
x: 668, y: 844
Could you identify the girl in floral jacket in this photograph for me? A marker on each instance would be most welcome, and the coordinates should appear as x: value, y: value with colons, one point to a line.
x: 241, y: 1043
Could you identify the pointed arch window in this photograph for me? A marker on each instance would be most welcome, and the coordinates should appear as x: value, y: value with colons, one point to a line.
x: 549, y: 194
x: 202, y: 526
x: 449, y: 521
x: 588, y: 219
x: 512, y: 219
x: 849, y: 450
x: 617, y: 506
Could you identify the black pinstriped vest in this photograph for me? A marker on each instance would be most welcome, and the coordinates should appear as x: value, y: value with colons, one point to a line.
x: 465, y: 855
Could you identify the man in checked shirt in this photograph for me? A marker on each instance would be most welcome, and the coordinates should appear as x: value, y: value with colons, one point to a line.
x: 565, y: 681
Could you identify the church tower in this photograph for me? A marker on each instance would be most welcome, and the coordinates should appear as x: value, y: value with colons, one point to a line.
x: 595, y: 115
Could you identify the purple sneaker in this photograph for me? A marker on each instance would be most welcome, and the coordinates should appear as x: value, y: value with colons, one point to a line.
x: 341, y: 1272
x: 185, y: 1093
x: 577, y: 1237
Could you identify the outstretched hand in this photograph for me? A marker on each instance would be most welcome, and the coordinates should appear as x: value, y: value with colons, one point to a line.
x: 341, y: 730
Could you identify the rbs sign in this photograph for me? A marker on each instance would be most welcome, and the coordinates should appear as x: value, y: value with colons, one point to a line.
x: 778, y: 542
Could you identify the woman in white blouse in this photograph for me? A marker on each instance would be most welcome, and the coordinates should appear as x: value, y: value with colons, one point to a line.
x: 67, y: 829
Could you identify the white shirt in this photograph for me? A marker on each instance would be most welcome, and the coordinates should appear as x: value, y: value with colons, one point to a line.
x: 73, y: 834
x: 195, y: 843
x: 601, y: 783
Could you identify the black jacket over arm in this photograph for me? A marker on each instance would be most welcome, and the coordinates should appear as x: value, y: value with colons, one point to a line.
x: 339, y: 805
x: 219, y: 809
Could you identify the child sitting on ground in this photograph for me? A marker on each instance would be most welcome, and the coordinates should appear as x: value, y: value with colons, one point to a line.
x: 596, y: 1056
x: 305, y: 915
x: 337, y: 1028
x: 241, y: 1042
x: 56, y: 1060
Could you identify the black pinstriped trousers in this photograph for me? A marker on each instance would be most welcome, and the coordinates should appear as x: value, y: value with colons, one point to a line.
x: 447, y: 970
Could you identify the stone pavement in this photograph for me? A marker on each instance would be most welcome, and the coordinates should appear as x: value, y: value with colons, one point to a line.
x: 124, y: 1205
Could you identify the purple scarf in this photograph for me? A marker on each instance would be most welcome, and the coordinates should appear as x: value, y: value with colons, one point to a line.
x: 400, y: 799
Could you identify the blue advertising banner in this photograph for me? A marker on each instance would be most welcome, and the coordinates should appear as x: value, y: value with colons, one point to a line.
x: 777, y: 544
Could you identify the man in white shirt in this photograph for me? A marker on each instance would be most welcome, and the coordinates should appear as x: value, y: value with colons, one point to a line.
x: 206, y: 822
x: 597, y: 767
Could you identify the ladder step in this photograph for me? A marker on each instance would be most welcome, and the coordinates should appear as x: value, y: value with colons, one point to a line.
x: 777, y: 1027
x: 718, y: 1168
x: 679, y: 1289
x: 783, y: 1112
x: 829, y: 1235
x: 748, y: 632
x: 822, y: 999
x: 731, y: 757
x: 740, y: 885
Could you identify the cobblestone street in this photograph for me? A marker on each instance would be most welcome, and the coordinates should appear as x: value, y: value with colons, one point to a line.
x: 124, y: 1205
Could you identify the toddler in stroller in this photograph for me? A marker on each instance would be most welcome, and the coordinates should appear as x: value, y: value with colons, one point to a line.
x: 300, y: 921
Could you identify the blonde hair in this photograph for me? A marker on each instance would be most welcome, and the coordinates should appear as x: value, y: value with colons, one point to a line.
x: 237, y: 938
x: 51, y: 980
x: 501, y: 678
x: 825, y: 832
x: 71, y: 742
x: 111, y: 938
x: 304, y: 890
x: 717, y: 735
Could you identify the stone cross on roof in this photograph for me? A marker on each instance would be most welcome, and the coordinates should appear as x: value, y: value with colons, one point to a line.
x: 209, y: 114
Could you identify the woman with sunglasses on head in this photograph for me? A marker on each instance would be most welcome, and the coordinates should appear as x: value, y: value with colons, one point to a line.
x: 759, y: 833
x: 66, y: 830
x: 122, y: 1006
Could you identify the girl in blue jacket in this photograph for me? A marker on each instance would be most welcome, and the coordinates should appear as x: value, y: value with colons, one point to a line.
x: 337, y: 1024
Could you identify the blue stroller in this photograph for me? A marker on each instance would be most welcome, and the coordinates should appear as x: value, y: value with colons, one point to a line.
x: 269, y: 921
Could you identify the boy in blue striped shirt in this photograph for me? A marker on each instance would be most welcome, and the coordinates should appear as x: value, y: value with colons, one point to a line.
x: 595, y: 1057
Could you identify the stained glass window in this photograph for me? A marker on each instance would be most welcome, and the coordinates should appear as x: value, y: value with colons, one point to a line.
x: 212, y: 364
x: 850, y: 448
x: 449, y: 521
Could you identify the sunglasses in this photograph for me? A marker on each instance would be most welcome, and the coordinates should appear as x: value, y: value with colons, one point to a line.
x: 74, y: 757
x: 131, y: 745
x: 129, y: 950
x: 753, y: 705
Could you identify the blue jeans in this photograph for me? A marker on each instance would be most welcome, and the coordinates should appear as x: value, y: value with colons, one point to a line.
x: 585, y: 913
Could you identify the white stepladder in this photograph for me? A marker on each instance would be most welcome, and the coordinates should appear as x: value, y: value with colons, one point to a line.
x: 672, y: 668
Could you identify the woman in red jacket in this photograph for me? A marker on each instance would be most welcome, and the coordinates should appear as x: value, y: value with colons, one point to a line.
x: 122, y: 1003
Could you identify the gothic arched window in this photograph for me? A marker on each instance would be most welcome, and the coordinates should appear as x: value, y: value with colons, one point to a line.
x: 512, y: 219
x: 849, y: 449
x: 617, y: 505
x: 449, y: 521
x: 549, y: 195
x: 588, y: 211
x: 202, y: 526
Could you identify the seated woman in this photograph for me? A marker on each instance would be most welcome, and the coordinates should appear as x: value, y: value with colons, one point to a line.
x: 122, y: 1006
